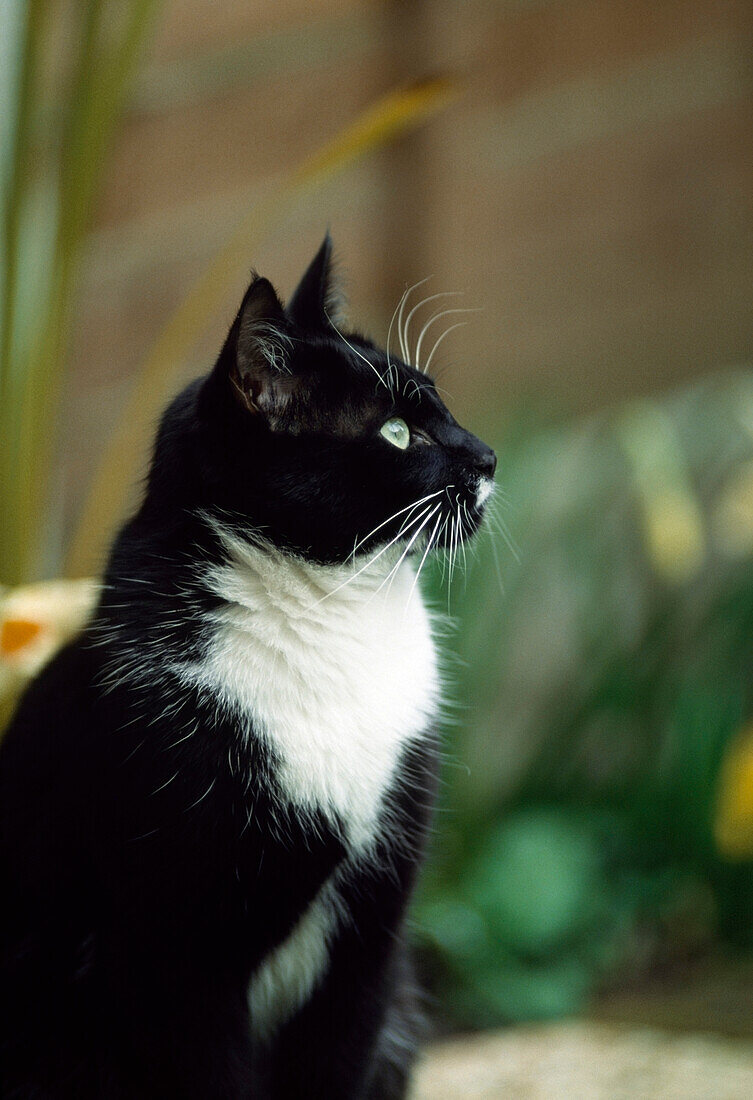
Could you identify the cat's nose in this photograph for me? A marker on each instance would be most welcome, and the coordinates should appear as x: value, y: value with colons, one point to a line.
x: 475, y: 455
x: 486, y: 462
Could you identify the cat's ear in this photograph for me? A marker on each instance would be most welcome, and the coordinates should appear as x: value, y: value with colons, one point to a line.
x: 317, y: 300
x: 261, y: 374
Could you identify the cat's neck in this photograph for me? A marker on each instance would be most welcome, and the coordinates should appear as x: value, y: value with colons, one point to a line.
x: 162, y: 601
x: 254, y: 575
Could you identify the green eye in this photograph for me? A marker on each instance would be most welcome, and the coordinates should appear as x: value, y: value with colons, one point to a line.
x: 396, y: 432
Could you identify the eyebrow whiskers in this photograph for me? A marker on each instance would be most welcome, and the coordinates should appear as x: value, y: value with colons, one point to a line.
x: 388, y: 385
x: 427, y: 326
x: 416, y: 308
x: 402, y: 321
x: 401, y: 334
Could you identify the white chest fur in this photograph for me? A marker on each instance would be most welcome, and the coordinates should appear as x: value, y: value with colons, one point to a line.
x: 337, y: 671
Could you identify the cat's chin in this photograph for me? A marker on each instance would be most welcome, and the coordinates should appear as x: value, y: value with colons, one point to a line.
x: 484, y: 490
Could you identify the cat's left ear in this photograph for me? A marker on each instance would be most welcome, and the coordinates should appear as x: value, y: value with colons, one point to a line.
x: 260, y: 370
x: 317, y: 300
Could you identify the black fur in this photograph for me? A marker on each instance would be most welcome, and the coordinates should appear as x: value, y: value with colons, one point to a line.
x: 146, y: 864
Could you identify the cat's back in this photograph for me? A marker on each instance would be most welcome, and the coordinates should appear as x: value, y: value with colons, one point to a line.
x: 53, y: 715
x: 50, y: 766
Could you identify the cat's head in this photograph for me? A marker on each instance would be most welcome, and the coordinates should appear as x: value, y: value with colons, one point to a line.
x: 326, y: 443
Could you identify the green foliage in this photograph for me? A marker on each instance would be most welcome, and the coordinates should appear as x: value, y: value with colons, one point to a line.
x: 54, y: 148
x: 601, y: 677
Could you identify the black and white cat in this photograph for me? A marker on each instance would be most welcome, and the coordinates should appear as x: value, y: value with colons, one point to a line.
x: 214, y: 803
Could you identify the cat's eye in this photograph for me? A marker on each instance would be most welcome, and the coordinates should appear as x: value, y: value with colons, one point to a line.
x: 396, y: 432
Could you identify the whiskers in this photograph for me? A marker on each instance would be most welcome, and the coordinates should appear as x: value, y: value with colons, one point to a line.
x: 462, y: 537
x: 453, y: 533
x: 443, y: 520
x: 429, y: 517
x: 387, y: 381
x: 388, y: 580
x: 400, y: 511
x: 403, y: 322
x: 494, y: 533
x: 427, y: 509
x: 495, y: 524
x: 439, y: 517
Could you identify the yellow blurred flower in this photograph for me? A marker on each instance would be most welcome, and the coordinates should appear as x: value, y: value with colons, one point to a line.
x: 733, y: 823
x: 35, y: 621
x: 674, y: 534
x: 672, y: 519
x: 733, y: 517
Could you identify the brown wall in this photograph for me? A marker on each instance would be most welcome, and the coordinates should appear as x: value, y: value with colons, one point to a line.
x: 592, y: 190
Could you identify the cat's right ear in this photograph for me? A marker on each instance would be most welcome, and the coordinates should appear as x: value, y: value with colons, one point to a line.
x: 259, y: 371
x: 316, y: 301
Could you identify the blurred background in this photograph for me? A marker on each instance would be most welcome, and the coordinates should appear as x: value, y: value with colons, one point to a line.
x: 580, y: 171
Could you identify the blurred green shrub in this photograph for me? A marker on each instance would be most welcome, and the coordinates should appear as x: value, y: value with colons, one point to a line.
x: 602, y: 823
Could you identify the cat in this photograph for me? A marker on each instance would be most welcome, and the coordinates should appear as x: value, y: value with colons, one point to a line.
x: 214, y: 803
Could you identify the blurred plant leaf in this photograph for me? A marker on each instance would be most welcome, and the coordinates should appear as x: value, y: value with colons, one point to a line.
x: 23, y: 33
x: 536, y: 878
x: 521, y: 991
x: 47, y: 199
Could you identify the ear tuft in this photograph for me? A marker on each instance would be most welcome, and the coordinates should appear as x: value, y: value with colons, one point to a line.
x: 262, y: 351
x: 261, y: 328
x: 317, y: 299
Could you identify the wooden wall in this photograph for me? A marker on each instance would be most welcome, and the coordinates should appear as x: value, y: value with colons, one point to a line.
x: 592, y: 190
